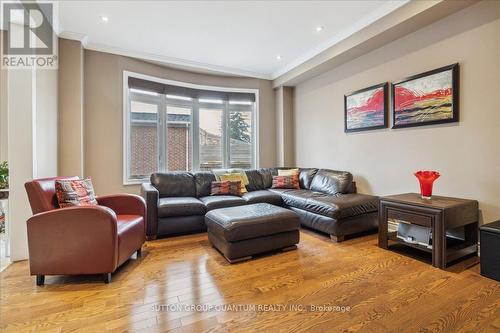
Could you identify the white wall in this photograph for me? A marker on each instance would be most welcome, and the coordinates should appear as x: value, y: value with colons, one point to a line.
x: 466, y: 153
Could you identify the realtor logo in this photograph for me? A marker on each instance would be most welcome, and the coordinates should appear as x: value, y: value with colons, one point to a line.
x: 29, y: 41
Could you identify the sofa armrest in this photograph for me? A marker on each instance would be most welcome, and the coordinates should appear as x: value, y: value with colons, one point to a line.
x: 152, y: 197
x: 74, y: 240
x: 124, y: 204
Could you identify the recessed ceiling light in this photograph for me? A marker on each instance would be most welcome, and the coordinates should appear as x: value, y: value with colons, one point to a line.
x: 319, y: 28
x: 104, y: 18
x: 278, y: 57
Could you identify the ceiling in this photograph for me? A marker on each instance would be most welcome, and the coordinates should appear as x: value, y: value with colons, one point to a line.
x: 231, y: 37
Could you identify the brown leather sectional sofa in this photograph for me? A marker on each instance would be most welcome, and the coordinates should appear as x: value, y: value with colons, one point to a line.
x: 326, y: 201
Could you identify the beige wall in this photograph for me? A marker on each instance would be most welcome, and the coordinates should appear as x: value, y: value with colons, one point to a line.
x: 103, y: 114
x: 466, y: 153
x: 284, y: 126
x: 70, y: 99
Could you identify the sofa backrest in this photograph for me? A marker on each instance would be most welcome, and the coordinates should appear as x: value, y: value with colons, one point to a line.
x: 186, y: 184
x: 260, y: 179
x: 203, y: 181
x: 174, y: 184
x: 306, y: 176
x: 331, y: 181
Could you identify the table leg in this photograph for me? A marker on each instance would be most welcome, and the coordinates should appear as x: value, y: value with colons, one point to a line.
x: 382, y: 227
x: 438, y: 243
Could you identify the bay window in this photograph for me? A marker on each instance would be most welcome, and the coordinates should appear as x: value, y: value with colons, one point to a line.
x: 172, y: 126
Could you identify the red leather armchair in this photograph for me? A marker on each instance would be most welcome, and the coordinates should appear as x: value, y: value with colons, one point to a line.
x: 82, y: 240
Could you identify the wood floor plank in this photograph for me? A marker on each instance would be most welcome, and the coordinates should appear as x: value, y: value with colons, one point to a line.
x: 384, y: 290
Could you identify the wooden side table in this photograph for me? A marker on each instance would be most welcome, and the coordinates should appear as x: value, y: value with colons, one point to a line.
x: 441, y: 214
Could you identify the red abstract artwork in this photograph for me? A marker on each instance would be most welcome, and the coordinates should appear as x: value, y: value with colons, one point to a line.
x: 428, y: 98
x: 366, y: 108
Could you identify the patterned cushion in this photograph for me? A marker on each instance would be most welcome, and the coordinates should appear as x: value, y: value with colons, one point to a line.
x: 226, y: 187
x: 286, y: 181
x: 78, y: 192
x: 234, y: 177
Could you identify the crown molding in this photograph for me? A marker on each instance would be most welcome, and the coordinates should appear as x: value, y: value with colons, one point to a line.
x: 162, y: 60
x: 82, y: 38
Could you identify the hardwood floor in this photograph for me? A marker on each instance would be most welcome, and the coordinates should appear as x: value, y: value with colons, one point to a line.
x: 385, y: 292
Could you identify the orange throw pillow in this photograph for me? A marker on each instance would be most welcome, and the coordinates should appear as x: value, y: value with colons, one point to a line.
x: 79, y: 192
x: 226, y: 187
x: 290, y: 182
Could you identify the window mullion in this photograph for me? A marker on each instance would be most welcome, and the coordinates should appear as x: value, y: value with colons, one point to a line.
x: 225, y: 135
x: 196, y: 136
x: 162, y: 134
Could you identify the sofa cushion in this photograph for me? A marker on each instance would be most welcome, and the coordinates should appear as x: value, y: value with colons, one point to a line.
x: 174, y: 184
x: 263, y: 196
x: 279, y: 190
x: 337, y: 207
x: 221, y: 201
x: 203, y: 181
x: 306, y: 176
x: 180, y: 206
x: 331, y: 181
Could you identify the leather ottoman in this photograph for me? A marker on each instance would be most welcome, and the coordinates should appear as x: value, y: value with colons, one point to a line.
x: 243, y: 231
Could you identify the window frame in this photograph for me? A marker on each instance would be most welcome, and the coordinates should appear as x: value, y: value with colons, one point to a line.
x: 195, y: 106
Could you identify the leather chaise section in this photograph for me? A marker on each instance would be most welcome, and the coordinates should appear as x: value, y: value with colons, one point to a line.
x: 336, y: 207
x: 180, y: 206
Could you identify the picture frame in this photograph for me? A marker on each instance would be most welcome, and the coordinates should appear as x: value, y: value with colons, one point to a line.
x: 366, y: 109
x: 427, y: 98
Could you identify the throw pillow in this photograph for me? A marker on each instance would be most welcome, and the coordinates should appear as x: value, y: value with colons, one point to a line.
x: 226, y: 187
x: 77, y: 192
x: 291, y: 182
x: 287, y: 172
x: 234, y: 177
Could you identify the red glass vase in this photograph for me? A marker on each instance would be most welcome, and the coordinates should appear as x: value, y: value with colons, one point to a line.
x: 426, y: 179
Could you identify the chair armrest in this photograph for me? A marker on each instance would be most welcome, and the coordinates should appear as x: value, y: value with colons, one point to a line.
x: 151, y: 195
x: 74, y: 240
x: 124, y: 204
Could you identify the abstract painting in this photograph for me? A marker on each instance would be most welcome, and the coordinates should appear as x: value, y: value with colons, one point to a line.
x: 366, y: 109
x: 427, y: 98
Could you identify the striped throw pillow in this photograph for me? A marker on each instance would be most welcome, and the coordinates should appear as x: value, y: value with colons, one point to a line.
x: 226, y: 187
x: 291, y: 182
